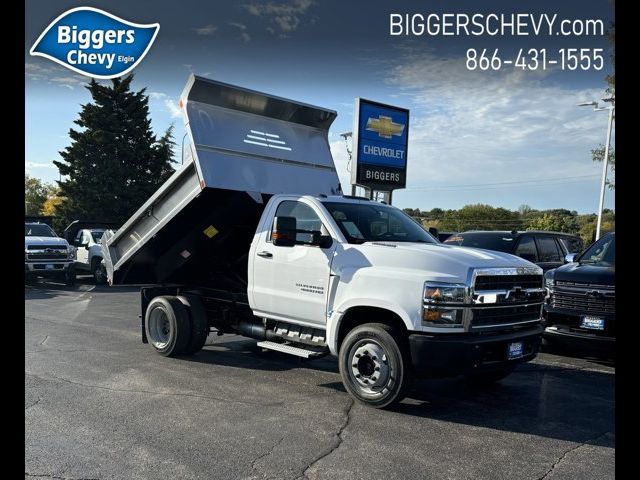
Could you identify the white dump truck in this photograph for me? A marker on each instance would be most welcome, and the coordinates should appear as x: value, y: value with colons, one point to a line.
x: 252, y: 236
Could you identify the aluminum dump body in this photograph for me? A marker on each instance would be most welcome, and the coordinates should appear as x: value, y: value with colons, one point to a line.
x: 243, y: 146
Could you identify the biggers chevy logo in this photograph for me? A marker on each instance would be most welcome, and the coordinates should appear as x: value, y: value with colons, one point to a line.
x: 95, y: 43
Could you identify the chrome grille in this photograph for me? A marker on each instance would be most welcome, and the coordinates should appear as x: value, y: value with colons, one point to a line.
x: 46, y: 252
x: 507, y: 282
x: 502, y: 315
x: 589, y: 300
x: 506, y: 297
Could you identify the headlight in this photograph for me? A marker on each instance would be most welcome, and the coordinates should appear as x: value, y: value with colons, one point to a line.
x: 443, y: 304
x: 438, y: 293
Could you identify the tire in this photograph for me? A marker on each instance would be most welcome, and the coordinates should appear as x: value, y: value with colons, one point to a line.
x: 374, y: 365
x: 166, y: 323
x: 98, y: 272
x: 70, y: 276
x: 198, y: 323
x: 487, y: 378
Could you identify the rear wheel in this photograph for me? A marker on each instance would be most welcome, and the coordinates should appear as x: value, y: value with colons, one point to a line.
x: 374, y: 365
x: 199, y: 325
x: 167, y: 325
x: 488, y: 378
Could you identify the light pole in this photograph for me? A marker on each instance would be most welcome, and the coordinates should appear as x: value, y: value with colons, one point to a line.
x: 611, y: 109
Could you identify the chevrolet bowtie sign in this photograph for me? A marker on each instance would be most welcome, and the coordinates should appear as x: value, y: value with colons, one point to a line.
x: 385, y: 126
x: 380, y: 145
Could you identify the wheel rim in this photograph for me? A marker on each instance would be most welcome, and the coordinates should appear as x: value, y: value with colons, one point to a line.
x: 159, y: 328
x: 370, y: 369
x: 97, y: 274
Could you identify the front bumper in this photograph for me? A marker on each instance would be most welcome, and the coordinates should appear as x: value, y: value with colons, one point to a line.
x: 564, y: 327
x: 48, y: 268
x: 447, y: 355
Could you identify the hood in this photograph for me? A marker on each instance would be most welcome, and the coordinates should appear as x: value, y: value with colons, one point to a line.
x: 594, y: 274
x: 438, y: 261
x: 45, y: 241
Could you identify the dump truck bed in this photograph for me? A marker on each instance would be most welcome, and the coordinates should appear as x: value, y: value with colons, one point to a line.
x: 244, y: 146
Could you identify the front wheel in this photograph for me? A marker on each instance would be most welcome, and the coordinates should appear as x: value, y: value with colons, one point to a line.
x: 374, y: 365
x: 70, y: 276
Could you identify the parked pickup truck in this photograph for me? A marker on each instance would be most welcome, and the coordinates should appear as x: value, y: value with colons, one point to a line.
x: 47, y: 255
x: 85, y: 237
x: 252, y: 236
x: 581, y: 304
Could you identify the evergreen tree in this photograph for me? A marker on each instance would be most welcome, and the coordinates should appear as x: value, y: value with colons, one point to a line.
x: 115, y: 162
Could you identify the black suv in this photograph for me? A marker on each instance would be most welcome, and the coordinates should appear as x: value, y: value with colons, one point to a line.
x: 546, y: 249
x: 580, y: 307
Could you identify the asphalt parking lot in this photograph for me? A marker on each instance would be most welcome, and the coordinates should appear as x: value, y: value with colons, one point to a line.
x: 99, y: 404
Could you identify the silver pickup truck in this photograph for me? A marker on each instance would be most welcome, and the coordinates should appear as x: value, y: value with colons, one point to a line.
x: 47, y: 255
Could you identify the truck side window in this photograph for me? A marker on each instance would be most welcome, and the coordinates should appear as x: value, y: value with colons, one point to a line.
x: 571, y: 245
x: 548, y: 250
x: 306, y: 218
x: 527, y: 249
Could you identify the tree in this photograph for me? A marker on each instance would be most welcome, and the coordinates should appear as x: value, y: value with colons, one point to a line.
x: 36, y: 193
x: 114, y: 162
x: 554, y: 223
x: 480, y: 217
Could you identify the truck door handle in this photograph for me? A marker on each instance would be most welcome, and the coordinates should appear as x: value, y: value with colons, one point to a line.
x: 265, y: 254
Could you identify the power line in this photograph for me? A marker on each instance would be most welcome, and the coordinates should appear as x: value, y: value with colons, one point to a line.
x: 549, y: 181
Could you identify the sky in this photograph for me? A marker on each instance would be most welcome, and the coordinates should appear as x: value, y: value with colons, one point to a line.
x: 505, y: 138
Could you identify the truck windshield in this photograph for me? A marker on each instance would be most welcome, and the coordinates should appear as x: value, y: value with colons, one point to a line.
x: 501, y: 242
x: 97, y: 235
x: 603, y: 252
x: 38, y: 230
x: 375, y: 222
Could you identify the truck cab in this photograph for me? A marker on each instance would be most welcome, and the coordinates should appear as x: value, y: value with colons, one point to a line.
x: 89, y: 253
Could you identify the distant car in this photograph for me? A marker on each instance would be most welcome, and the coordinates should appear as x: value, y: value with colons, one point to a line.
x: 580, y: 308
x: 546, y: 249
x: 47, y: 255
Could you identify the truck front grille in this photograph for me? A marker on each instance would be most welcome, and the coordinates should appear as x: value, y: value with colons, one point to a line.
x: 585, y: 300
x: 507, y: 282
x: 46, y: 252
x: 506, y: 297
x: 483, y: 317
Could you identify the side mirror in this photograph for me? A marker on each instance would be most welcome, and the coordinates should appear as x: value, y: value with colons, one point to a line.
x: 570, y: 257
x: 434, y: 231
x: 322, y: 241
x: 284, y: 231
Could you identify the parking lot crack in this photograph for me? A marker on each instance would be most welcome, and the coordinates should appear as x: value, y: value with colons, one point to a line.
x: 152, y: 392
x: 338, y: 441
x: 32, y: 405
x: 573, y: 449
x: 56, y: 477
x: 46, y: 337
x: 267, y: 453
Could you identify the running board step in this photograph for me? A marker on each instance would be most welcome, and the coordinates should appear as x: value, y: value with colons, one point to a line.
x: 291, y: 350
